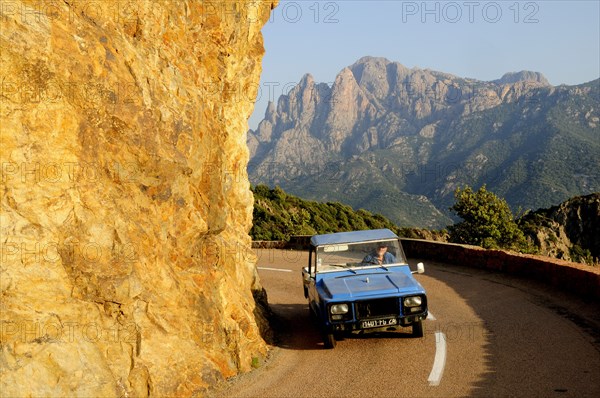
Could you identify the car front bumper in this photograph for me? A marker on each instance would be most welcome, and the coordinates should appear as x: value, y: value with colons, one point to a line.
x: 375, y: 323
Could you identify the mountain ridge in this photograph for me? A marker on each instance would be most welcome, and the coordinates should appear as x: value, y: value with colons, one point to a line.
x: 384, y: 135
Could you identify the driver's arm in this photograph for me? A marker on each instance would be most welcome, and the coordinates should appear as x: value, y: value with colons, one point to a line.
x: 368, y: 259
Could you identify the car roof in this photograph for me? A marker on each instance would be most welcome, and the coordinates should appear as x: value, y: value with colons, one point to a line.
x: 352, y: 237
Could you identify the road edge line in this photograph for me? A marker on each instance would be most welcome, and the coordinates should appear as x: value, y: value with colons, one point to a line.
x: 439, y: 362
x: 275, y: 269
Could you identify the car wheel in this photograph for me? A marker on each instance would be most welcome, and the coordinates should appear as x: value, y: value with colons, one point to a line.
x: 329, y: 340
x: 418, y: 329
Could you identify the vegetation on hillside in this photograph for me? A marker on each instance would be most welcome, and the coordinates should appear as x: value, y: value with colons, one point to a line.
x: 277, y: 216
x: 487, y: 221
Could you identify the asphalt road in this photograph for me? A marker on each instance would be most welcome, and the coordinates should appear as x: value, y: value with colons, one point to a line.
x: 490, y: 335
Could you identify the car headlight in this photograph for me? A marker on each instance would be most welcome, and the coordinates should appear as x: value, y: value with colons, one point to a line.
x: 412, y: 301
x: 339, y: 309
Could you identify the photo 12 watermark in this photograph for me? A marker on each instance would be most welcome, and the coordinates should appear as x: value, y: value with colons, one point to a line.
x: 290, y: 12
x: 468, y: 172
x: 85, y: 94
x: 277, y: 172
x: 122, y: 12
x: 221, y: 92
x: 15, y: 250
x: 452, y: 12
x: 326, y: 12
x: 55, y: 331
x: 245, y: 330
x: 127, y: 12
x: 33, y: 173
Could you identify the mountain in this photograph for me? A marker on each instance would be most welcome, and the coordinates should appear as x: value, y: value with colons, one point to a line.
x: 399, y: 141
x: 570, y: 230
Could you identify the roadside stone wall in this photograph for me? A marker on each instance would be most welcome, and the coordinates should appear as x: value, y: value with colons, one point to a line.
x: 582, y: 280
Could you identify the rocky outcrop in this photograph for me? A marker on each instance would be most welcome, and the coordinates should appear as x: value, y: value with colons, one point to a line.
x: 126, y: 262
x: 399, y: 141
x: 569, y: 231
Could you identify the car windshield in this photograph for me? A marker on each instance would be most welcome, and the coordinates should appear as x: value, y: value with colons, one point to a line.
x: 359, y: 255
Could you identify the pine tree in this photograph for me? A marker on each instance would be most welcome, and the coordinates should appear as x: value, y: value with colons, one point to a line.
x: 487, y: 221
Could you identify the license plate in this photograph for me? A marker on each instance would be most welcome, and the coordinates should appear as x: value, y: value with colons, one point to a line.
x: 377, y: 323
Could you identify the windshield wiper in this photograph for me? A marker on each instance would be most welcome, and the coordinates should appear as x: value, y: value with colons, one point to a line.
x: 347, y: 276
x: 343, y: 266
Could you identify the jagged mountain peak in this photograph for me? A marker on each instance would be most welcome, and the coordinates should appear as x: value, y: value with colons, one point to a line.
x: 377, y: 75
x: 307, y: 80
x: 270, y: 112
x: 371, y: 60
x: 522, y: 76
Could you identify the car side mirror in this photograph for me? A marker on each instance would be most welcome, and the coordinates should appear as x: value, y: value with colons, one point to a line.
x: 420, y: 269
x: 305, y: 274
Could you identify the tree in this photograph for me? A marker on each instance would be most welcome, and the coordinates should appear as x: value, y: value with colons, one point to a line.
x: 487, y: 221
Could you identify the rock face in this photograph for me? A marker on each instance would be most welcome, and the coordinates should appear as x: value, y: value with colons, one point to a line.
x: 399, y: 141
x: 522, y: 76
x: 126, y: 263
x: 374, y: 103
x: 569, y: 231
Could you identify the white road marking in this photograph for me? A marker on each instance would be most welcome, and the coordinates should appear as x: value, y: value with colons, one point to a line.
x: 440, y: 360
x: 431, y: 317
x: 275, y: 269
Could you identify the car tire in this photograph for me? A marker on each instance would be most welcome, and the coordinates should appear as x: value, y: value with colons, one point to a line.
x: 329, y: 340
x: 418, y: 329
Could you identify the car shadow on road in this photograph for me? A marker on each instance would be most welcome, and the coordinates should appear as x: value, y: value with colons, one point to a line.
x: 296, y: 330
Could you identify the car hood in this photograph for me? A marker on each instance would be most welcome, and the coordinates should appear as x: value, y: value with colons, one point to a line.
x: 362, y: 285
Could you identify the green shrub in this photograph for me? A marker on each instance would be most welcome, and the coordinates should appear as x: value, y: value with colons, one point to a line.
x: 487, y: 221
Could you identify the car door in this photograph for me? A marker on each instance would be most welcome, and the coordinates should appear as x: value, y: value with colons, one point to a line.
x: 309, y: 281
x: 306, y: 273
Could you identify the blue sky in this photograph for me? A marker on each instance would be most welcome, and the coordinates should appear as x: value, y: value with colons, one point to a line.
x: 475, y: 39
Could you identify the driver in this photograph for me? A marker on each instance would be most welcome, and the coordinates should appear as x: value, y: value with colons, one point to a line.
x: 380, y: 256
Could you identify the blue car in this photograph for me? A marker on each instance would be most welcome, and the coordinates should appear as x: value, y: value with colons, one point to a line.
x: 361, y: 280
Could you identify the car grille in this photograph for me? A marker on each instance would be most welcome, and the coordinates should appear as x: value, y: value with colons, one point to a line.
x: 377, y: 308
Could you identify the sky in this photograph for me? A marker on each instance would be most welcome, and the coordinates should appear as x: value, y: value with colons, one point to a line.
x: 473, y: 39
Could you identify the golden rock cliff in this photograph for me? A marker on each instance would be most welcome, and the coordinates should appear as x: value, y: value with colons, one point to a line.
x: 126, y: 268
